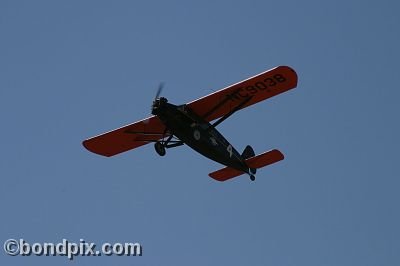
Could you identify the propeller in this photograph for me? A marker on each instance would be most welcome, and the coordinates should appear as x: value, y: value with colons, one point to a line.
x: 156, y: 101
x: 159, y: 90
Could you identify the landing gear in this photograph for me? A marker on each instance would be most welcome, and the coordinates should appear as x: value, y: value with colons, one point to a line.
x: 252, y: 178
x: 160, y: 148
x: 162, y: 145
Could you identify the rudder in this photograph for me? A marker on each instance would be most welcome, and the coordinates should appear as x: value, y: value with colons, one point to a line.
x: 247, y: 153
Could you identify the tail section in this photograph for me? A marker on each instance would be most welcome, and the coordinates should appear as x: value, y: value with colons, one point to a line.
x: 258, y: 161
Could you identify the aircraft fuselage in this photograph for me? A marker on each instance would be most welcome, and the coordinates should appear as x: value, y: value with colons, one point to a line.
x: 198, y: 134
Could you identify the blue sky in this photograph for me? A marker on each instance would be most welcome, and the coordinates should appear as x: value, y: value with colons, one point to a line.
x: 73, y: 69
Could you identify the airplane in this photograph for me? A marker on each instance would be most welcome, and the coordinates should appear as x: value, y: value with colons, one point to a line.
x: 194, y: 124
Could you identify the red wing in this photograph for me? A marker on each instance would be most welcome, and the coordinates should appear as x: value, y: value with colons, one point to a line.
x: 126, y: 138
x: 247, y: 92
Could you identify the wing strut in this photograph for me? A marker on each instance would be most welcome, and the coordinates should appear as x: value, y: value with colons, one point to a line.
x: 219, y: 105
x: 237, y: 108
x: 169, y: 143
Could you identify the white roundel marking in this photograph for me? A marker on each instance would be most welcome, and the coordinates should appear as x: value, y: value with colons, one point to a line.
x: 196, y: 134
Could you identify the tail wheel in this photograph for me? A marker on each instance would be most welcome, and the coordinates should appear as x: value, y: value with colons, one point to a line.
x: 160, y: 149
x: 252, y: 177
x: 253, y: 170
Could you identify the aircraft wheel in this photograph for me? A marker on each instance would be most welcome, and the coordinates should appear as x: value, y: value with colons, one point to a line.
x: 252, y: 178
x: 253, y: 171
x: 160, y: 149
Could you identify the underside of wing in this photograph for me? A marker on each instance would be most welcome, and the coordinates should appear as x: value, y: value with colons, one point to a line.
x: 127, y: 137
x: 245, y: 93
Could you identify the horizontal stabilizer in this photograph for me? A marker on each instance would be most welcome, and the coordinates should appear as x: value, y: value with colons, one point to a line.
x: 258, y: 161
x: 265, y: 159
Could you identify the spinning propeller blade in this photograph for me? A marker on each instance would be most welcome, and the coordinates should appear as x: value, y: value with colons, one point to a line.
x: 160, y: 87
x: 157, y: 97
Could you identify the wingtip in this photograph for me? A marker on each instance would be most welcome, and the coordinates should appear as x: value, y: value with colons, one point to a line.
x: 295, y: 76
x: 217, y: 179
x: 279, y: 153
x: 86, y: 144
